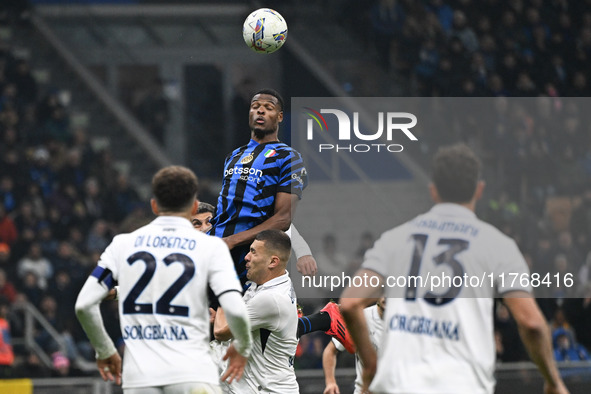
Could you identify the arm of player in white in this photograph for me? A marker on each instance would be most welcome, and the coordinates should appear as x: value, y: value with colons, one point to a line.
x: 329, y: 364
x: 298, y: 243
x: 306, y: 264
x: 89, y: 315
x: 536, y: 337
x: 238, y: 325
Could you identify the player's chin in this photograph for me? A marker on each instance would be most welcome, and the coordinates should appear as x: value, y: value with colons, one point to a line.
x: 261, y: 132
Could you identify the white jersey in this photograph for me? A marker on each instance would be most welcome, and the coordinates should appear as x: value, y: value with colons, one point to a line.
x: 375, y: 326
x: 272, y: 309
x: 163, y: 270
x: 440, y: 339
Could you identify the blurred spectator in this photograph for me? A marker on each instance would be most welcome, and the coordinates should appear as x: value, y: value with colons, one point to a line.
x: 61, y: 364
x: 8, y: 231
x: 330, y: 260
x: 6, y: 262
x: 30, y: 289
x: 92, y: 198
x: 509, y: 345
x: 6, y: 351
x: 25, y: 218
x: 66, y: 260
x: 40, y: 171
x: 123, y: 200
x: 444, y: 13
x: 565, y: 347
x: 98, y: 237
x: 47, y: 241
x: 153, y: 111
x: 366, y: 241
x: 32, y: 367
x: 387, y: 19
x: 461, y: 30
x: 7, y: 290
x: 311, y: 345
x: 579, y: 314
x: 26, y: 84
x: 8, y: 195
x: 73, y: 171
x: 34, y: 262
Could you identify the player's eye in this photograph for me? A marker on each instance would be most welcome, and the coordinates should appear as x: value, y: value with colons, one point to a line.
x: 197, y: 222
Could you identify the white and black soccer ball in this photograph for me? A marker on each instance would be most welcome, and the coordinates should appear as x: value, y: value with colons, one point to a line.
x: 264, y: 30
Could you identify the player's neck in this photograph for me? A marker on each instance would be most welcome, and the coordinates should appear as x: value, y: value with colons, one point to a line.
x: 270, y: 276
x: 267, y: 138
x: 471, y: 205
x: 184, y: 215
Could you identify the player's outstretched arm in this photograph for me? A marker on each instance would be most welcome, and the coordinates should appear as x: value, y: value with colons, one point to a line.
x: 329, y: 364
x: 535, y: 335
x: 306, y: 264
x: 353, y: 301
x: 285, y: 204
x: 89, y: 315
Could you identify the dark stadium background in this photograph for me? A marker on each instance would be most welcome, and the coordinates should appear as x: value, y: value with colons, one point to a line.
x: 96, y: 95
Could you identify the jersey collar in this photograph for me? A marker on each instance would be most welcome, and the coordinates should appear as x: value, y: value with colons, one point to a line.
x: 451, y: 209
x: 172, y: 221
x: 273, y: 282
x: 254, y: 143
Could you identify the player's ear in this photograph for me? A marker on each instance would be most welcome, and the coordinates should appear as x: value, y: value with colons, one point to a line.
x: 434, y: 193
x: 154, y: 206
x: 195, y: 207
x: 274, y: 262
x: 479, y: 190
x: 280, y: 116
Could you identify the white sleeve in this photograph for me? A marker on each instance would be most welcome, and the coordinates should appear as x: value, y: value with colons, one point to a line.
x: 222, y: 275
x: 298, y: 243
x: 89, y: 315
x: 237, y: 317
x: 510, y: 265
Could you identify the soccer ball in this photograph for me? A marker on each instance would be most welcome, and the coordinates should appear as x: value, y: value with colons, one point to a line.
x: 264, y: 30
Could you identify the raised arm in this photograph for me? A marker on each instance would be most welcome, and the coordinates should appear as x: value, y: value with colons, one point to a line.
x: 306, y: 264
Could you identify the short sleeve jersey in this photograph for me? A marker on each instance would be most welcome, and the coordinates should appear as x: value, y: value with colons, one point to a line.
x: 253, y: 175
x: 375, y: 327
x: 163, y: 270
x: 272, y: 309
x: 440, y: 338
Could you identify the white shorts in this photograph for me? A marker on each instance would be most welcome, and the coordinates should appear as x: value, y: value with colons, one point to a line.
x: 179, y: 388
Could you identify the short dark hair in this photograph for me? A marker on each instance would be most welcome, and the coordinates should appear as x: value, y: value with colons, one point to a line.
x: 277, y: 242
x: 271, y: 92
x: 174, y: 188
x: 456, y: 171
x: 205, y: 207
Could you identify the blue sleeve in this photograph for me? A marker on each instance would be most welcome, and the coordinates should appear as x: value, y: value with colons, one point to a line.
x: 293, y: 177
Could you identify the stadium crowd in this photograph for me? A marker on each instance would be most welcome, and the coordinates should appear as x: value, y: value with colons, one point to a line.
x: 61, y: 201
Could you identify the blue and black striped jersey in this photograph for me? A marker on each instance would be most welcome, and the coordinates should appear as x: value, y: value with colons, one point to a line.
x: 253, y: 175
